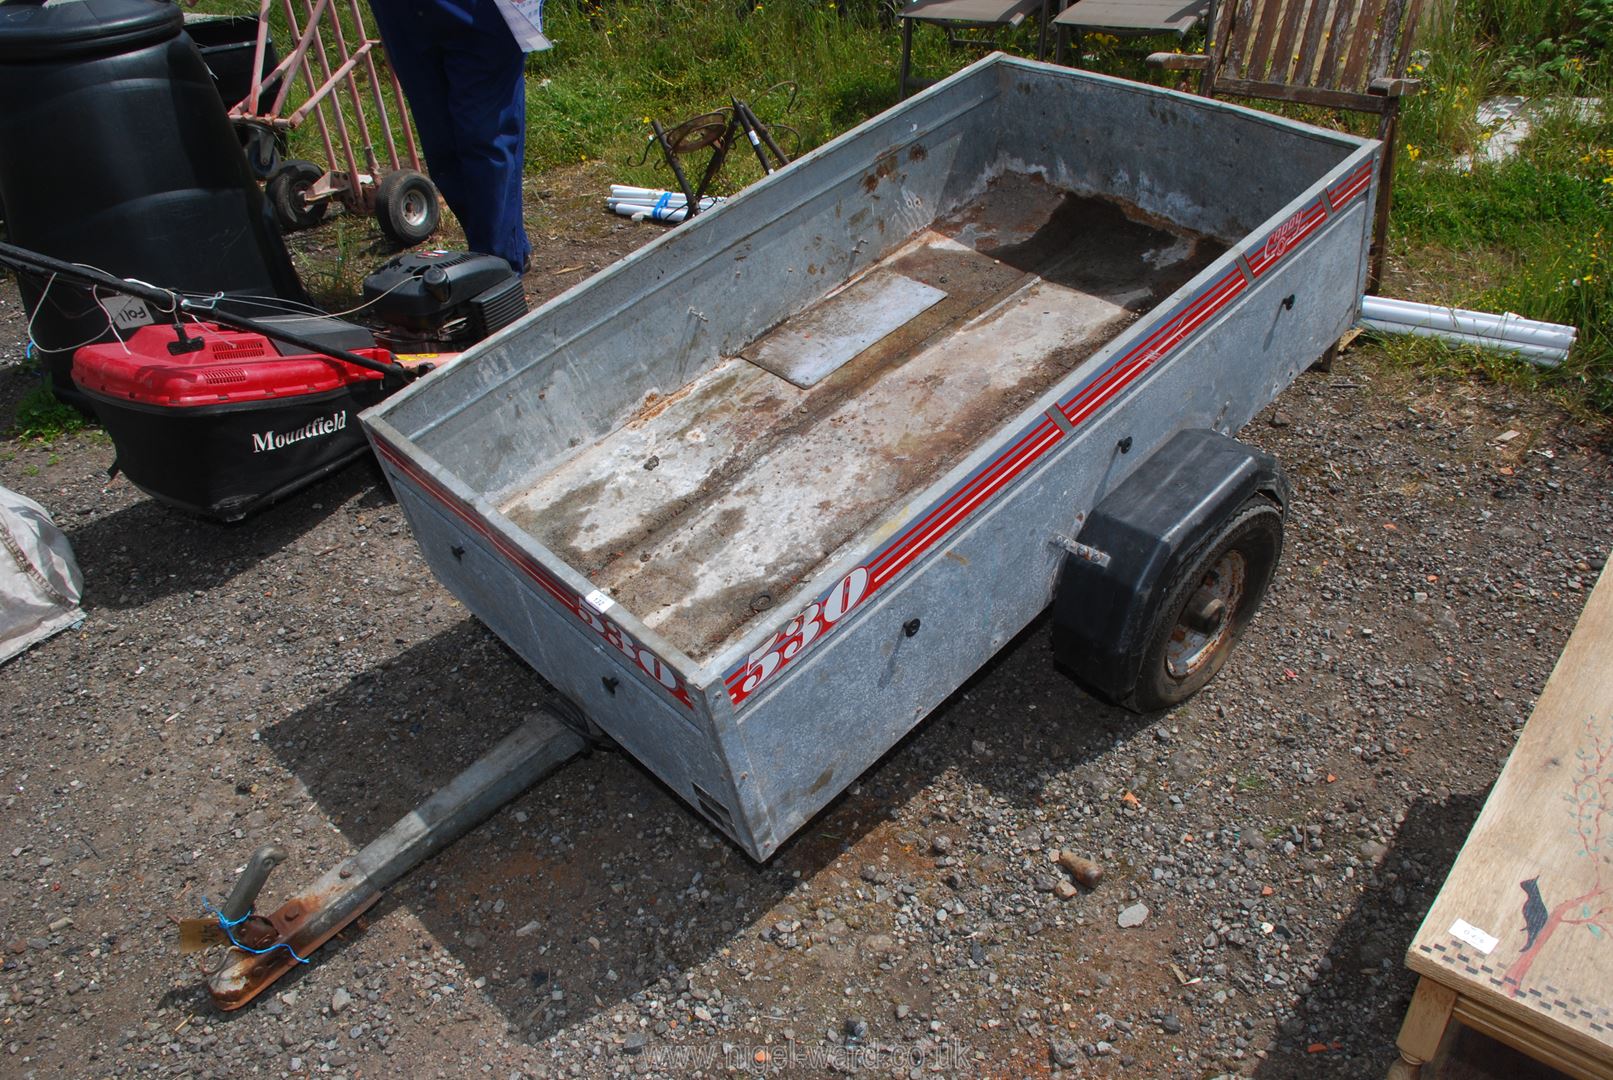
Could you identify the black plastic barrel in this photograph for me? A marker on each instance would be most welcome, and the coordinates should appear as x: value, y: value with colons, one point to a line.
x: 115, y: 151
x: 228, y: 43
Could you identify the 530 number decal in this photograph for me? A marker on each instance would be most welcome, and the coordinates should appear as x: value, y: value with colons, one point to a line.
x: 623, y: 642
x: 800, y: 632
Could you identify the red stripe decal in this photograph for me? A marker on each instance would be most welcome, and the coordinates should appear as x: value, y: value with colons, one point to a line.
x: 639, y: 658
x: 1352, y: 185
x: 1045, y: 436
x: 1153, y: 348
x: 967, y: 492
x: 1287, y: 236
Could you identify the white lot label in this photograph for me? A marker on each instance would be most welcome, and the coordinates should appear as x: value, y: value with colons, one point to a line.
x: 599, y: 601
x: 1475, y: 937
x: 127, y: 312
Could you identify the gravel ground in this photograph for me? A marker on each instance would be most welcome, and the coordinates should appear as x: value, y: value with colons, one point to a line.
x: 303, y: 679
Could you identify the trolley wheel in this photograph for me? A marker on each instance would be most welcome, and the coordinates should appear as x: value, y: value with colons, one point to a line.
x: 406, y: 206
x: 262, y: 147
x: 288, y: 194
x: 1207, y: 606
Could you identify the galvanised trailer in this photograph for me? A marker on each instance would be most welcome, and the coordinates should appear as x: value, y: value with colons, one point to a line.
x: 761, y: 495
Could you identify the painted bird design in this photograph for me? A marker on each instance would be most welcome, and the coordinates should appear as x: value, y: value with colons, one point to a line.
x: 1534, y: 911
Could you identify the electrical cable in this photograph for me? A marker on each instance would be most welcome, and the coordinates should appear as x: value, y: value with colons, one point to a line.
x: 291, y: 307
x: 33, y: 260
x: 229, y: 925
x: 28, y: 331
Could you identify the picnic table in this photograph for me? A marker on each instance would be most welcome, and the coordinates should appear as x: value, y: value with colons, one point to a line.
x: 1519, y: 942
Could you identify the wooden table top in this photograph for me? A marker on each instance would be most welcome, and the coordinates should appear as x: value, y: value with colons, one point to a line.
x: 1135, y: 16
x: 1524, y: 923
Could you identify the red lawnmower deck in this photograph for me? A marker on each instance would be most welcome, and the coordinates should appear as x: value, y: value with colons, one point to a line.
x: 233, y: 425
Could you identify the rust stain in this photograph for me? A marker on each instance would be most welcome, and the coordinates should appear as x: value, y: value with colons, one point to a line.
x: 883, y: 167
x: 655, y: 404
x: 1022, y: 231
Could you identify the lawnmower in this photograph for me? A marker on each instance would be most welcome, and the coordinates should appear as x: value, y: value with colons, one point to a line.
x: 220, y: 414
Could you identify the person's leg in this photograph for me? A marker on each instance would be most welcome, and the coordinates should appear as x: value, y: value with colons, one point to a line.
x: 486, y: 75
x: 412, y: 32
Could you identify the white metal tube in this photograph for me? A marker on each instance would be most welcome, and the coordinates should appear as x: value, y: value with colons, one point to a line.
x: 662, y: 204
x: 1506, y: 327
x: 1544, y: 355
x: 618, y: 190
x: 1514, y: 328
x: 639, y: 212
x: 641, y: 194
x: 663, y: 200
x: 623, y: 191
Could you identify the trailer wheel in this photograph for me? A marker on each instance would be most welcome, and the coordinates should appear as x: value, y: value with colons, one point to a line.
x: 288, y: 194
x: 406, y: 206
x: 263, y: 147
x: 1207, y: 605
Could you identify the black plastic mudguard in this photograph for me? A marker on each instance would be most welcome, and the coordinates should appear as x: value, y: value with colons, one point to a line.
x: 1156, y: 519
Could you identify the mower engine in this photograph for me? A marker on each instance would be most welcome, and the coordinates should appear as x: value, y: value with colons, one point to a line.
x: 442, y: 300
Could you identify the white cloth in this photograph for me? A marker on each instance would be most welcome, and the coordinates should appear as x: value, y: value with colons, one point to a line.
x: 525, y: 19
x: 40, y: 584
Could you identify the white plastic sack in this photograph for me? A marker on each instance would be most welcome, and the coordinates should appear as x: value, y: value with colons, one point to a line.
x: 40, y: 584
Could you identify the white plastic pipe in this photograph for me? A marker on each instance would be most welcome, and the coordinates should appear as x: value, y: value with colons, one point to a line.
x: 1543, y: 355
x: 629, y: 191
x: 639, y: 213
x: 675, y: 203
x: 642, y: 194
x: 1508, y: 327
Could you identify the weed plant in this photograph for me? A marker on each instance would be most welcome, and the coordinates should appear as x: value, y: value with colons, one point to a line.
x: 40, y: 416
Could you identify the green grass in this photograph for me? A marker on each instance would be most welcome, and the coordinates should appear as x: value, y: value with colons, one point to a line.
x: 1530, y: 234
x: 615, y: 66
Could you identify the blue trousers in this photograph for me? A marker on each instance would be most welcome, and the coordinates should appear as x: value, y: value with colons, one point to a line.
x: 464, y: 77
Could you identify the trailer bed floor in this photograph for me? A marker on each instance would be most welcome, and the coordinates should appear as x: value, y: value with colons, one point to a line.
x: 716, y: 500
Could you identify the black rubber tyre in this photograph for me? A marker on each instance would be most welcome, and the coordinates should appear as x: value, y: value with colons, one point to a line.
x: 406, y: 206
x: 288, y: 194
x: 1207, y: 605
x: 262, y: 147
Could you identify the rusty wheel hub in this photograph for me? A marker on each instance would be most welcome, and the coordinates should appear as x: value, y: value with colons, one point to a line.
x: 1205, y: 626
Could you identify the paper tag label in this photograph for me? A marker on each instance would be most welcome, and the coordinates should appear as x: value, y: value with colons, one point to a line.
x: 525, y: 20
x: 127, y: 312
x: 599, y: 601
x: 1466, y: 931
